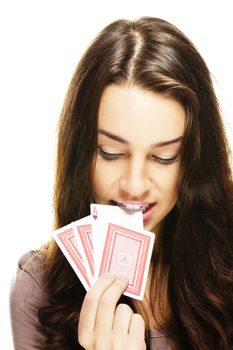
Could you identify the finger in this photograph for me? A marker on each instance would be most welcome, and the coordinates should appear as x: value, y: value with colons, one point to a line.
x: 122, y: 319
x: 107, y: 304
x: 137, y: 327
x: 89, y: 309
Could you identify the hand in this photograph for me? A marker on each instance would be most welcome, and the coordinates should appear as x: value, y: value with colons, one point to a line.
x: 102, y: 325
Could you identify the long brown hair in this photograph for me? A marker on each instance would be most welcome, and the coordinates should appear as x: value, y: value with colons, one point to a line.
x: 193, y: 256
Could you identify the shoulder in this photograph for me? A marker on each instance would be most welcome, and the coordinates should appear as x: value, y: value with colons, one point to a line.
x: 27, y: 296
x: 31, y: 264
x: 28, y: 283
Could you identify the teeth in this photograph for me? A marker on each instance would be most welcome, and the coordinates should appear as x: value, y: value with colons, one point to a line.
x: 134, y: 206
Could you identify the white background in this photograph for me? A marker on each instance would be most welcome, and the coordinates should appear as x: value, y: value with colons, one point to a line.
x: 40, y: 44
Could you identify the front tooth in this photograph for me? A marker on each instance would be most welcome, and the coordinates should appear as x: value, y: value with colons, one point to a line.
x: 134, y: 206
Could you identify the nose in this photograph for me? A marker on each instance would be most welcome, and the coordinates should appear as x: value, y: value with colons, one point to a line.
x: 135, y: 182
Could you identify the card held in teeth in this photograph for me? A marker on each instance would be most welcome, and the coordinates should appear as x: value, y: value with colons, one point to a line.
x: 101, y: 216
x: 128, y: 252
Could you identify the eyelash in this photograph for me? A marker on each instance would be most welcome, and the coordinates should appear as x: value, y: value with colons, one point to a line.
x: 109, y: 156
x: 115, y: 156
x: 166, y: 161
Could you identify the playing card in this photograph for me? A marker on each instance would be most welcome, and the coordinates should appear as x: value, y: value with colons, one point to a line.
x: 65, y: 238
x: 101, y: 216
x: 83, y: 234
x: 111, y: 239
x: 129, y: 252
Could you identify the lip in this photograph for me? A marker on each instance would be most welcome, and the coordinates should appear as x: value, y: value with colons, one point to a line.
x: 148, y: 212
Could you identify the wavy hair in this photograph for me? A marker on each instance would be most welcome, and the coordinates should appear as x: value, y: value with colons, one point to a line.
x: 193, y: 257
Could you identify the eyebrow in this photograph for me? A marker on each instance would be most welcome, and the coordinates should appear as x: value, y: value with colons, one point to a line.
x: 121, y: 140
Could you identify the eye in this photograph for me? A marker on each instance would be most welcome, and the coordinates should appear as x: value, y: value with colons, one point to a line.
x: 166, y: 161
x: 108, y: 155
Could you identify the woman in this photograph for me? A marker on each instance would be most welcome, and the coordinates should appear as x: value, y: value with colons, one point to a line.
x: 140, y: 124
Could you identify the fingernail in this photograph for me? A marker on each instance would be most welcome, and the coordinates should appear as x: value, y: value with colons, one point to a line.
x: 123, y: 277
x: 109, y: 275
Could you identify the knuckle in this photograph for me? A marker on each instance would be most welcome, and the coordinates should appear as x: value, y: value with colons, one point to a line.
x: 102, y: 342
x: 107, y: 298
x: 118, y: 344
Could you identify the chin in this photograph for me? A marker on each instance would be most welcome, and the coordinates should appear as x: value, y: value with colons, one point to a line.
x: 152, y: 227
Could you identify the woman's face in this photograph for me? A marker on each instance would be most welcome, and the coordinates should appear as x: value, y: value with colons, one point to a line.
x: 139, y: 139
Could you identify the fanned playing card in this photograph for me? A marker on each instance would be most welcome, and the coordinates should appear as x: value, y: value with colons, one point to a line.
x: 129, y: 252
x: 111, y: 239
x: 66, y: 240
x: 83, y: 234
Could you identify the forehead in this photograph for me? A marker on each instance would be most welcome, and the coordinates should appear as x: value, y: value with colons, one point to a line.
x: 138, y: 115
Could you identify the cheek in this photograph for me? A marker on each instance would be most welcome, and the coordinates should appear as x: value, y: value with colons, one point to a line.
x: 97, y: 180
x: 174, y: 184
x: 169, y: 182
x: 103, y: 178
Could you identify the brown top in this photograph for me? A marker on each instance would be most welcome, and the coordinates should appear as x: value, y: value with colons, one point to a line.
x: 28, y: 295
